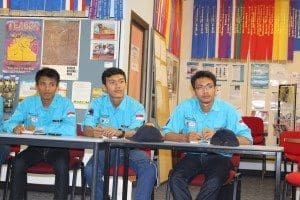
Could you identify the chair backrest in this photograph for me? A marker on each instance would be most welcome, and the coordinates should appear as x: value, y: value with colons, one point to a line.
x: 79, y: 153
x: 256, y: 126
x: 290, y: 147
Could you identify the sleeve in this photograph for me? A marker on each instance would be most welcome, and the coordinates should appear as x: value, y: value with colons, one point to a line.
x: 67, y: 126
x: 91, y: 117
x: 137, y: 117
x: 175, y: 123
x: 17, y: 117
x: 236, y: 124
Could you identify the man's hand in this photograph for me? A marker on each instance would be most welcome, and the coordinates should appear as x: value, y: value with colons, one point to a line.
x: 19, y: 129
x: 98, y: 131
x: 193, y: 137
x: 207, y: 133
x: 110, y: 132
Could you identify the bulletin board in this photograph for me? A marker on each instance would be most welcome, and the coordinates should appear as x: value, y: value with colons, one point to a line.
x: 161, y: 101
x: 89, y: 70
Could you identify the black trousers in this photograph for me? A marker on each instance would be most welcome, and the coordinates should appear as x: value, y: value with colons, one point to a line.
x: 58, y: 158
x: 215, y: 168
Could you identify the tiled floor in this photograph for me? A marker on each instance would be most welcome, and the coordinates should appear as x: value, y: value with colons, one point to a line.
x: 253, y: 187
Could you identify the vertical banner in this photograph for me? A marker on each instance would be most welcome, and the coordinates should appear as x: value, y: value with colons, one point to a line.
x: 280, y: 39
x: 297, y: 26
x: 22, y: 46
x: 204, y: 29
x: 225, y: 28
x: 238, y: 29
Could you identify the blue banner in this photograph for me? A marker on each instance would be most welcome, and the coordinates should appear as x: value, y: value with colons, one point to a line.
x: 297, y: 26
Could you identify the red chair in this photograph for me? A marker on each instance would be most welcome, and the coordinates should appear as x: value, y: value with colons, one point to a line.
x: 14, y: 149
x: 292, y: 179
x: 256, y: 126
x: 75, y: 163
x: 291, y: 150
x: 233, y: 177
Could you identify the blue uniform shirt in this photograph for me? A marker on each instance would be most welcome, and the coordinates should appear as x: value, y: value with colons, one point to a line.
x: 129, y: 115
x: 189, y: 117
x: 59, y: 117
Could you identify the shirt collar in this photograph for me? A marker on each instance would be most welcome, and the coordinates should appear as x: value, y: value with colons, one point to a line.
x: 53, y: 104
x: 215, y: 106
x: 122, y: 105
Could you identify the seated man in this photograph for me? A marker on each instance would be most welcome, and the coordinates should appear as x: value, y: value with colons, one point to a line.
x: 4, y: 149
x: 118, y: 115
x: 198, y: 118
x: 50, y: 113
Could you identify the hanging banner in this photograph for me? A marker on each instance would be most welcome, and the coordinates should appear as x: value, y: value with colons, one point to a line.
x: 204, y: 29
x: 225, y: 28
x: 22, y: 46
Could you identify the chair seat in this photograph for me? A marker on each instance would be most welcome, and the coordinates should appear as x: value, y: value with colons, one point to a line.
x: 292, y: 157
x: 293, y: 179
x: 45, y: 168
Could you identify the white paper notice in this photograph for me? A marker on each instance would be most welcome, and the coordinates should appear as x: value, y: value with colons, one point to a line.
x: 81, y: 94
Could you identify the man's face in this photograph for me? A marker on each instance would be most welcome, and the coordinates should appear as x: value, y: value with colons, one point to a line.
x: 205, y: 90
x: 115, y: 86
x: 47, y: 87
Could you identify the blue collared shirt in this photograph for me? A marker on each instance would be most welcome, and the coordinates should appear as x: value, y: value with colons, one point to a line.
x: 58, y: 118
x: 129, y: 115
x: 189, y: 117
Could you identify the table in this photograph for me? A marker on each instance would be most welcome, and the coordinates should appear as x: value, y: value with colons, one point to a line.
x: 242, y: 149
x: 61, y: 141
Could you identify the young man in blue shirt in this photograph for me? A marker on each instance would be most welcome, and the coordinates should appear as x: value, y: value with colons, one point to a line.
x: 198, y: 118
x: 50, y: 113
x: 118, y: 115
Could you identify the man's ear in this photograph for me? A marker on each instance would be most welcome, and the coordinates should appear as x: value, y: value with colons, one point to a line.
x: 104, y: 89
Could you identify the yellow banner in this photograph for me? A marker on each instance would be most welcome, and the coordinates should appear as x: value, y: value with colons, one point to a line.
x: 280, y: 36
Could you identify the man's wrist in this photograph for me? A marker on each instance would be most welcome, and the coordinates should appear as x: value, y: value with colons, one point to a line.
x: 122, y: 133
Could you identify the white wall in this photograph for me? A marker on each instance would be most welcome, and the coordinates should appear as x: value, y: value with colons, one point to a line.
x: 143, y: 8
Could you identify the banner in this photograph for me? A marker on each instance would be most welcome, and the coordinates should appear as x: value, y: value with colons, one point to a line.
x: 204, y: 29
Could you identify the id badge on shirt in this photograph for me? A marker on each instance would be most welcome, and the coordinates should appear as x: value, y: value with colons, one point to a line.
x: 190, y: 124
x: 104, y: 120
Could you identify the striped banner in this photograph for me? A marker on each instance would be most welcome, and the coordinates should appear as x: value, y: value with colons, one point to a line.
x: 160, y: 15
x: 4, y: 4
x: 79, y: 5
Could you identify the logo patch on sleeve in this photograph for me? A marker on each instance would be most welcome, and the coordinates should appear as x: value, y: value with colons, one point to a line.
x: 71, y: 114
x: 139, y: 117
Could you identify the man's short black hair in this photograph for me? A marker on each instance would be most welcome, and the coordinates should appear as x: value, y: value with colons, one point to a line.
x: 110, y: 72
x: 48, y: 72
x: 203, y: 74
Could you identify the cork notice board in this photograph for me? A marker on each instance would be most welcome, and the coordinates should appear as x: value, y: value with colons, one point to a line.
x: 162, y: 102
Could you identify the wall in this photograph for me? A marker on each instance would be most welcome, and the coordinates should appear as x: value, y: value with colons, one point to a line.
x: 92, y: 70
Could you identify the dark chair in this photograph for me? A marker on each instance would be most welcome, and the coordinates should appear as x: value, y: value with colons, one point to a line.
x: 256, y: 126
x: 233, y: 177
x: 14, y: 149
x: 75, y: 163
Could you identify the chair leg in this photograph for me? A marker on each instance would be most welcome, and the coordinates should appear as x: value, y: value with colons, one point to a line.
x: 74, y: 183
x: 264, y: 167
x: 7, y: 178
x: 83, y: 182
x: 293, y: 193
